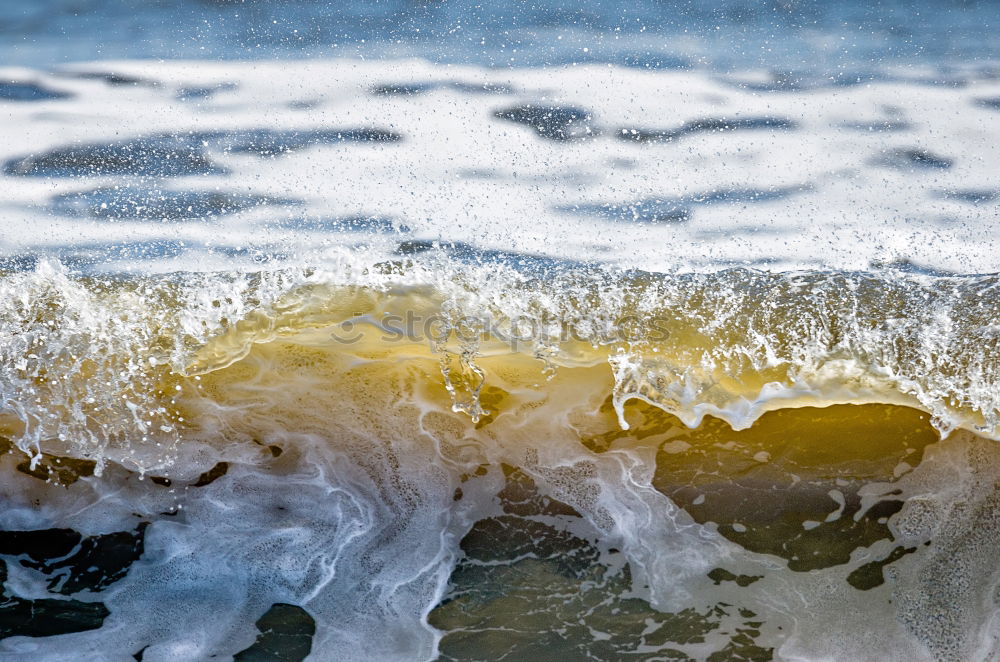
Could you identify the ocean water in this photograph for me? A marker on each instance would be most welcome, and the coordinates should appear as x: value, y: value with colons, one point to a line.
x: 519, y: 331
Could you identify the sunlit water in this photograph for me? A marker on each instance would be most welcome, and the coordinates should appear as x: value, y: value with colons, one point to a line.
x: 400, y: 331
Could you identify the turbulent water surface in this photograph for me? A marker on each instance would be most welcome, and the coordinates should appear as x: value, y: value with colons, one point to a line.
x: 405, y: 332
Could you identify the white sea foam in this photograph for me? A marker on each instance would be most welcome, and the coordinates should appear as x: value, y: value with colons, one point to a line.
x: 880, y: 173
x: 355, y: 470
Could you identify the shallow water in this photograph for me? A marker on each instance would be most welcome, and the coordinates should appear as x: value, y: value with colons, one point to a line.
x: 402, y: 331
x: 422, y: 454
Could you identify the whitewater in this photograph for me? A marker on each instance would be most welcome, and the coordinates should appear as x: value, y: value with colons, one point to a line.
x: 394, y: 359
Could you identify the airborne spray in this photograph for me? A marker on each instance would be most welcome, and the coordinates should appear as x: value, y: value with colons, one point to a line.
x: 529, y: 331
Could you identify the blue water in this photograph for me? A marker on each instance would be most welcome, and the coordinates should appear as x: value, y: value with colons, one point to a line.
x: 844, y: 37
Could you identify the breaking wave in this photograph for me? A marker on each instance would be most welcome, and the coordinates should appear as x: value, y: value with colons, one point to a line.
x: 708, y: 466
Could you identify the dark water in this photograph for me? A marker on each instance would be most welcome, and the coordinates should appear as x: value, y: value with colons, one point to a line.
x: 833, y: 36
